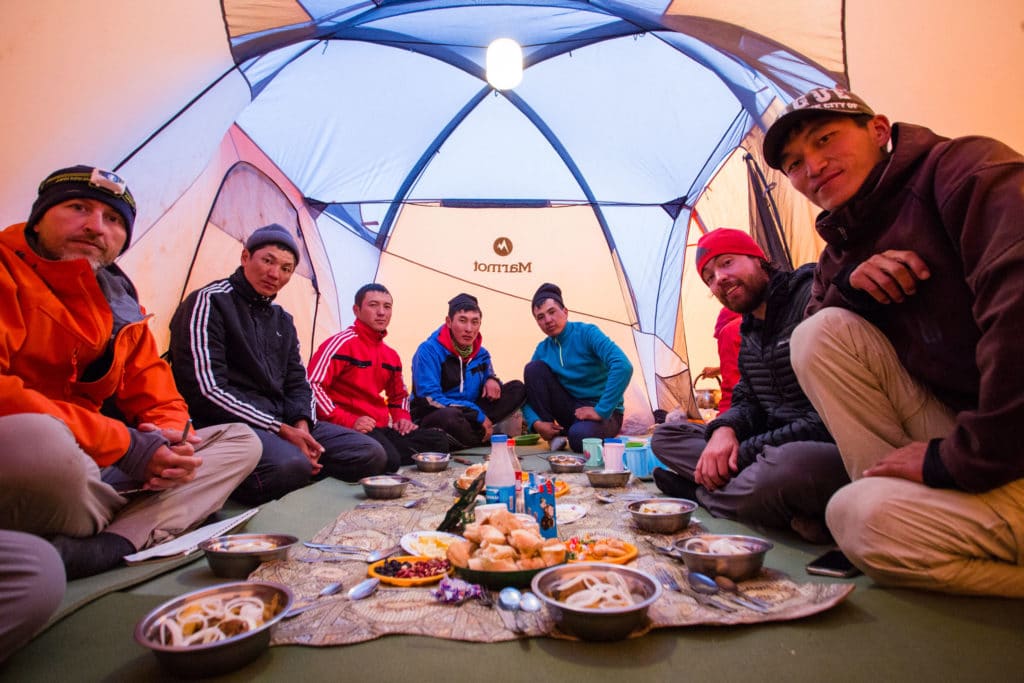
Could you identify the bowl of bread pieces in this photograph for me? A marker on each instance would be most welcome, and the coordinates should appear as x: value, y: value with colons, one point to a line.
x: 504, y: 549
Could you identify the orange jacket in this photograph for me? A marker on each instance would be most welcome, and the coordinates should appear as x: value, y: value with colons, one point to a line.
x: 54, y: 322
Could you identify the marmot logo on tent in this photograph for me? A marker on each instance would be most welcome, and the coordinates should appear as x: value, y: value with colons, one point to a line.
x: 502, y: 246
x: 520, y: 267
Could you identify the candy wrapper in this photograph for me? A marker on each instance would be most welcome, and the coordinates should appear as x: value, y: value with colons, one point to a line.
x: 456, y: 591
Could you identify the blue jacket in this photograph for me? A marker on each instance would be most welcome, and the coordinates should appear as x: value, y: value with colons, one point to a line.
x: 441, y: 378
x: 589, y: 365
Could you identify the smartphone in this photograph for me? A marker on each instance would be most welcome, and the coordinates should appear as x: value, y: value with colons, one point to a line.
x: 833, y: 563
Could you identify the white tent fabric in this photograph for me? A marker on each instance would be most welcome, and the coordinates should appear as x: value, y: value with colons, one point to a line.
x: 369, y: 129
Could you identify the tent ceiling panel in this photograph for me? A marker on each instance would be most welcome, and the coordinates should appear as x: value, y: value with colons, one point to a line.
x: 82, y: 86
x: 497, y: 153
x: 340, y: 128
x: 654, y: 137
x: 809, y: 27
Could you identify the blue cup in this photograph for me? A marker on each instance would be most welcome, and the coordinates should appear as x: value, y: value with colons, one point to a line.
x: 640, y: 461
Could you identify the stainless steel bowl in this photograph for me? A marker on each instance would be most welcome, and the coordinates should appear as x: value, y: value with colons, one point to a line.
x: 604, y: 479
x: 432, y: 462
x: 237, y: 555
x: 700, y: 554
x: 384, y: 486
x: 675, y: 517
x: 218, y: 657
x: 613, y: 623
x: 562, y: 463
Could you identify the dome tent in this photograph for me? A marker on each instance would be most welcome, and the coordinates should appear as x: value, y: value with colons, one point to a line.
x: 371, y: 131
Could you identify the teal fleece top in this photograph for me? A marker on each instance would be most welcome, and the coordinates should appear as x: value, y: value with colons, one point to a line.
x: 590, y: 366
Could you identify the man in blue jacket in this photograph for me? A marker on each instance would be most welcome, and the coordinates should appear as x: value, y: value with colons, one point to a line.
x: 454, y: 386
x: 576, y: 379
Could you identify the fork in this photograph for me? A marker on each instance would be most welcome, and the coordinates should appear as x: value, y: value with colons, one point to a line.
x: 668, y: 581
x: 409, y: 504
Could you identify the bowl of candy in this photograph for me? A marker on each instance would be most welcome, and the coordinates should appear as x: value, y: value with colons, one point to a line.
x: 596, y: 601
x: 214, y: 630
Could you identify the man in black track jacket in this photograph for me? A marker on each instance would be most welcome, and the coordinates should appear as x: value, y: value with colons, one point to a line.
x: 768, y: 460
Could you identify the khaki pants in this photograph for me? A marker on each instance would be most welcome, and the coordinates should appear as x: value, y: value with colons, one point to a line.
x: 899, y: 532
x: 48, y: 485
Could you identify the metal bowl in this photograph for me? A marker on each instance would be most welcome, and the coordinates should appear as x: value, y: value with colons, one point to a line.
x: 705, y: 554
x: 218, y: 657
x: 613, y: 623
x: 662, y: 515
x: 562, y: 463
x: 432, y: 462
x: 237, y: 555
x: 384, y: 486
x: 605, y: 479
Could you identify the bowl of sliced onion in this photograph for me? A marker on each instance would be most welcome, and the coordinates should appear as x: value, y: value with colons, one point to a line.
x: 214, y: 630
x: 596, y: 601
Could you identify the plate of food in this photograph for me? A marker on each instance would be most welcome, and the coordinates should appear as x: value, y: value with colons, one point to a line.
x: 427, y: 543
x: 409, y: 570
x: 561, y: 488
x: 607, y: 549
x: 567, y: 513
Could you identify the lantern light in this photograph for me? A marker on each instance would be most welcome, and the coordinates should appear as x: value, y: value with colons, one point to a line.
x: 504, y: 64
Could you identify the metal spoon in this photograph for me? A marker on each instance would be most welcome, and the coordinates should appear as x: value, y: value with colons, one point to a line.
x: 378, y: 555
x: 363, y: 589
x: 705, y: 585
x: 510, y: 599
x: 329, y: 589
x: 409, y: 504
x: 734, y: 593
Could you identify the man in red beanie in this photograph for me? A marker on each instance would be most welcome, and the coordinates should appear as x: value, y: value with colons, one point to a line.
x: 768, y: 460
x: 912, y: 354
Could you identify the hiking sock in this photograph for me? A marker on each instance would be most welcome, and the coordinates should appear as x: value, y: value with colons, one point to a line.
x: 675, y: 485
x: 91, y: 555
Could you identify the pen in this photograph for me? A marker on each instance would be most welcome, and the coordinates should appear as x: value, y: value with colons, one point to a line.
x: 185, y: 431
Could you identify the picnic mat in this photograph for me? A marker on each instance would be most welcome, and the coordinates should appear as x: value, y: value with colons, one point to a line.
x: 414, y: 611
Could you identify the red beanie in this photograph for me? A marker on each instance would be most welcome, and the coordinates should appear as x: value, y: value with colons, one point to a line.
x: 725, y: 241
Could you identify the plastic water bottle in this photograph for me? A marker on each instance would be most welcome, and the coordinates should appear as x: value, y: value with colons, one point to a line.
x: 501, y: 475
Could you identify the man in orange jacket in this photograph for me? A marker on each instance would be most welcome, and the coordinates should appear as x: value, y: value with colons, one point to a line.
x: 95, y: 457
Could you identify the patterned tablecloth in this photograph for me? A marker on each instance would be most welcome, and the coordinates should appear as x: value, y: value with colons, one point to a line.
x: 392, y: 610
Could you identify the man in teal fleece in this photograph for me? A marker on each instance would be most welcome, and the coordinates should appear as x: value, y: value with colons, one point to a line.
x: 576, y: 378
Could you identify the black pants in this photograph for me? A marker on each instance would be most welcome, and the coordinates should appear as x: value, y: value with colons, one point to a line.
x: 348, y: 455
x: 460, y: 422
x: 400, y: 449
x: 550, y: 400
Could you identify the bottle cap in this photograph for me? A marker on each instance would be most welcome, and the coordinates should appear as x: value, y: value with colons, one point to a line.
x: 499, y: 438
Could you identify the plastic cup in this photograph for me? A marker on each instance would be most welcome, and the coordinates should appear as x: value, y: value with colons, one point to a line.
x: 613, y: 452
x: 638, y: 461
x: 592, y: 450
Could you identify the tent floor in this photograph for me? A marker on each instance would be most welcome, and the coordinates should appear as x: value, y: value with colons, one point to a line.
x: 875, y: 634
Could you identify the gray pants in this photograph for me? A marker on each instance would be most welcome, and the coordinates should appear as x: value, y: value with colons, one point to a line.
x: 48, y: 485
x: 31, y: 587
x: 793, y: 480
